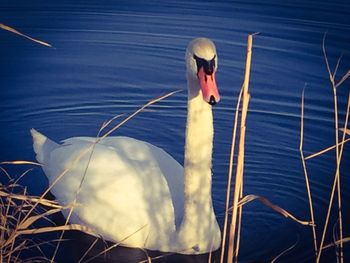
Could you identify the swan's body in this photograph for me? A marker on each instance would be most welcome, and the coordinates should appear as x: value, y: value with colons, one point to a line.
x: 137, y: 194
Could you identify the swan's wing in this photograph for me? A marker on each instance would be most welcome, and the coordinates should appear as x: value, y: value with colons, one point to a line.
x: 129, y: 185
x: 143, y: 154
x: 171, y: 170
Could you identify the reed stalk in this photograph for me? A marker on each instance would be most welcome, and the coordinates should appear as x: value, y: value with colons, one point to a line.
x: 339, y: 150
x: 306, y: 174
x: 12, y: 30
x: 239, y: 227
x: 229, y: 178
x: 249, y: 198
x: 326, y: 149
x: 240, y: 158
x: 284, y: 252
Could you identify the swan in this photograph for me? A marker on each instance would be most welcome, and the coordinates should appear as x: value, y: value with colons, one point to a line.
x: 134, y: 192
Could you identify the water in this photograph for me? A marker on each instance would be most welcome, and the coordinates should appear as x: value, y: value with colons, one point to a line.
x: 112, y: 57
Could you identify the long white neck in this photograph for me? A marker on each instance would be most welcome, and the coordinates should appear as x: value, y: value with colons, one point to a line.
x: 199, y: 218
x: 198, y: 154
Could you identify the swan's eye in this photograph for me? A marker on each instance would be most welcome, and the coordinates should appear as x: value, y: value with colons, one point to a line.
x: 208, y: 65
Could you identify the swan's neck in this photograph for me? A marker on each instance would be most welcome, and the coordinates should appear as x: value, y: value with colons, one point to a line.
x: 199, y: 218
x: 198, y: 155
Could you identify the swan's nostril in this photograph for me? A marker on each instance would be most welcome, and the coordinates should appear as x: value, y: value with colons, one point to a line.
x: 212, y: 100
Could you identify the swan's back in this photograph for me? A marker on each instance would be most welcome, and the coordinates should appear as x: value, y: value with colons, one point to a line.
x: 129, y: 187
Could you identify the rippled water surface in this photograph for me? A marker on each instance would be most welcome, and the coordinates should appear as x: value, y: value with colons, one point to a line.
x: 111, y: 57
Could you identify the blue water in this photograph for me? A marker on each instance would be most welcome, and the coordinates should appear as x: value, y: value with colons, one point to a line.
x: 111, y: 57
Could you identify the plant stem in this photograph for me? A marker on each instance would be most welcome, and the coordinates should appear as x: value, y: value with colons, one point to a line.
x: 240, y: 159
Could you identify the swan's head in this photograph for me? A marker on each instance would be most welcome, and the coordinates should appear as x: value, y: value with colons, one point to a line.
x: 202, y: 63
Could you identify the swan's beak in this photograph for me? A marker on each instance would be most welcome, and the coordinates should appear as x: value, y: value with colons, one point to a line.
x: 208, y: 86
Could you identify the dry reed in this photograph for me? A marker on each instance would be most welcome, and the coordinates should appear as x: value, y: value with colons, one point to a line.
x: 306, y: 173
x: 240, y: 159
x: 249, y: 198
x: 336, y: 187
x: 15, y: 204
x: 239, y: 200
x: 229, y: 179
x: 326, y: 149
x: 284, y: 252
x: 12, y: 30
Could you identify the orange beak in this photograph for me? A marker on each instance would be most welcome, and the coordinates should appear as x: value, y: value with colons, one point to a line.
x: 208, y: 86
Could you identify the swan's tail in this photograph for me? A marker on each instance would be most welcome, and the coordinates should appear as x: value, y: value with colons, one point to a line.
x: 42, y: 145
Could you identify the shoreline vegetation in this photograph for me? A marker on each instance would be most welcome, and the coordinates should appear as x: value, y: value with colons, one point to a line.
x: 24, y: 216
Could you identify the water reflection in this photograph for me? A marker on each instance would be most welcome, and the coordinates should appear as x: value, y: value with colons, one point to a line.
x: 118, y: 254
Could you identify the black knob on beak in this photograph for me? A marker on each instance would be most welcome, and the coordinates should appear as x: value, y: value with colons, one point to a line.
x: 212, y: 100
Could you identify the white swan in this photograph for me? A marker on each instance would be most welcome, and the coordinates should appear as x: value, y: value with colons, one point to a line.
x: 135, y: 192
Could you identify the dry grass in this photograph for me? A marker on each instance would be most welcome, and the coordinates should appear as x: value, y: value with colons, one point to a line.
x: 336, y: 188
x: 14, y: 230
x: 239, y: 200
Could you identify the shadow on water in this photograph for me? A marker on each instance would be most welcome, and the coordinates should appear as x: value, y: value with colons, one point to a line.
x: 76, y: 250
x: 77, y: 246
